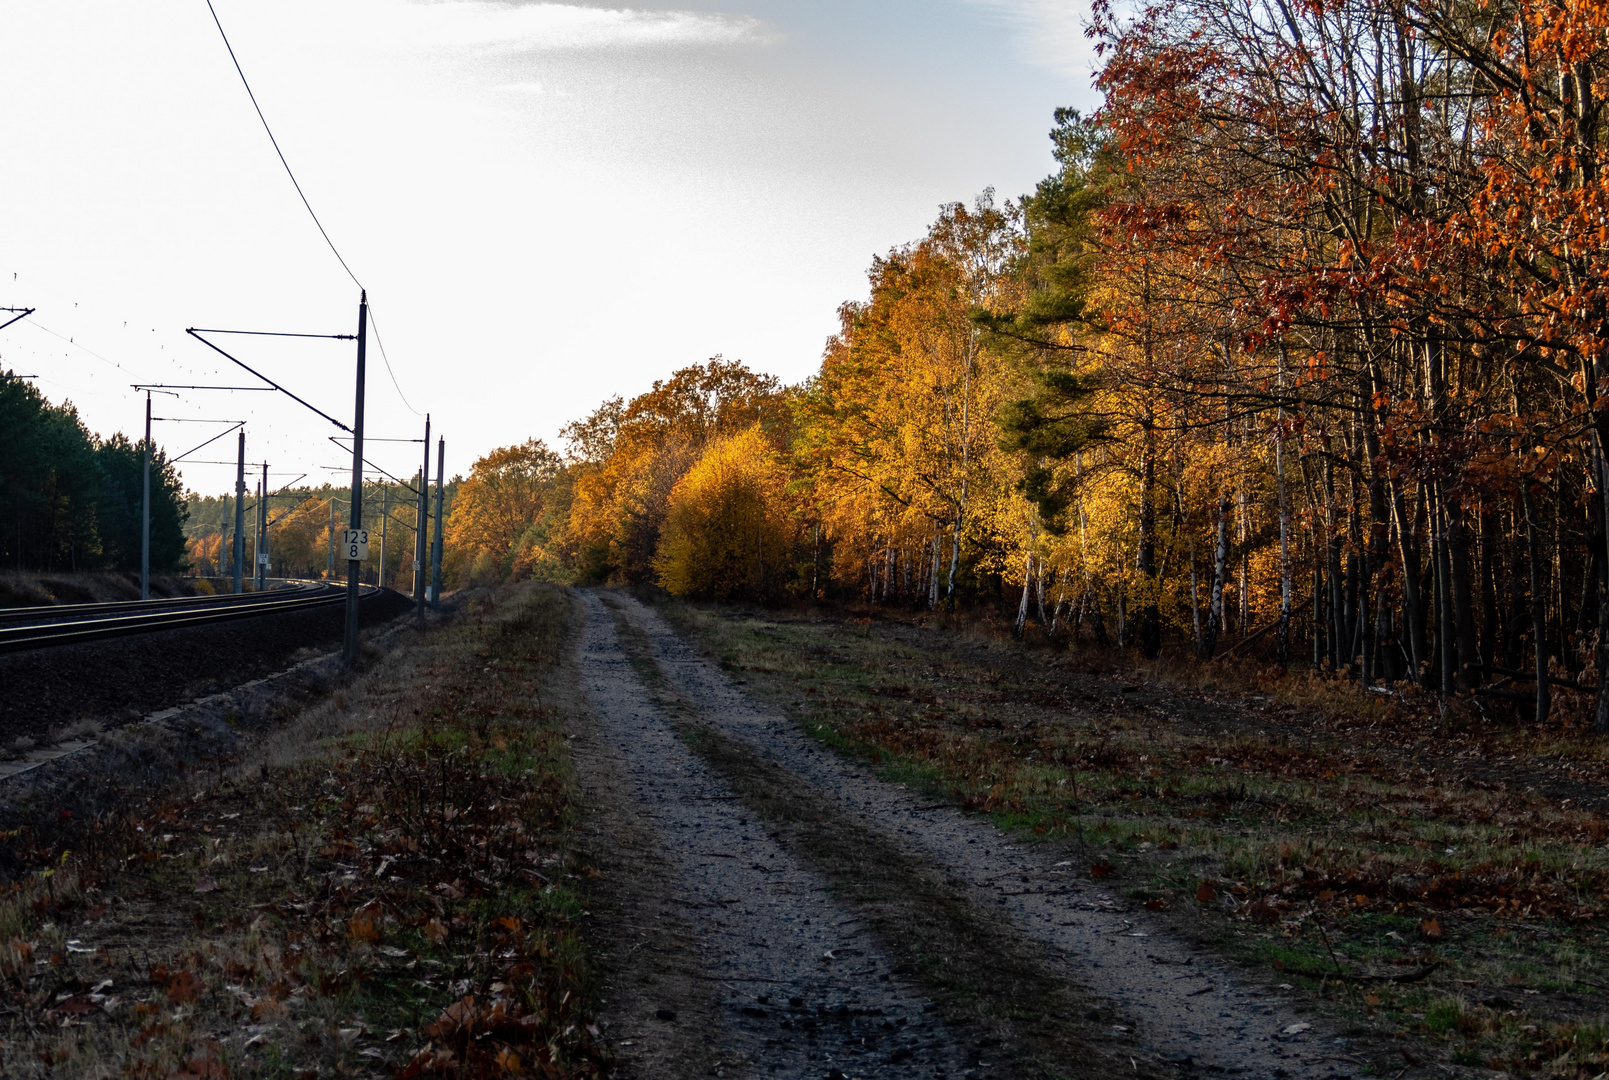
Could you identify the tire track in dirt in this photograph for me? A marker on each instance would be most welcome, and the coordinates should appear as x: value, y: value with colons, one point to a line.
x: 1184, y: 1007
x: 804, y: 989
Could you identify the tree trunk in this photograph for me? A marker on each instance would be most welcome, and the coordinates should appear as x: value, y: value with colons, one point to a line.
x: 1122, y: 617
x: 1096, y: 619
x: 1412, y: 608
x: 1061, y: 594
x: 1195, y: 596
x: 1463, y: 608
x: 1150, y: 616
x: 1444, y: 650
x: 955, y: 560
x: 1220, y: 567
x: 1027, y: 587
x: 1539, y: 621
x: 1488, y: 572
x: 1282, y: 647
x: 1600, y: 716
x: 1039, y: 590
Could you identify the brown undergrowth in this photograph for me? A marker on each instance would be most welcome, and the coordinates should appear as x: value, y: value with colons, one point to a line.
x: 388, y: 891
x: 1421, y: 874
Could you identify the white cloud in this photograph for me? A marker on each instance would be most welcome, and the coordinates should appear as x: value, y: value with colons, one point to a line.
x: 550, y: 27
x: 1051, y: 32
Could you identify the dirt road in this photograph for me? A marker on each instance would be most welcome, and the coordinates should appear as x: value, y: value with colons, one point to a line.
x: 775, y: 910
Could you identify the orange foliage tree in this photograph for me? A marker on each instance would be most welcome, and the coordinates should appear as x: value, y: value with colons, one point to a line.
x: 506, y: 492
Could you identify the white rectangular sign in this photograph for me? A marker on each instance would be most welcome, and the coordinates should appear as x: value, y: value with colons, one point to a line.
x: 262, y: 558
x: 355, y: 542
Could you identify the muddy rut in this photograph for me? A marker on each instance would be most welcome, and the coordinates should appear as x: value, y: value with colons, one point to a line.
x: 782, y: 912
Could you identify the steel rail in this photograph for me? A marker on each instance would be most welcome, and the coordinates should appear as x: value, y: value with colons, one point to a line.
x: 18, y: 638
x: 70, y: 611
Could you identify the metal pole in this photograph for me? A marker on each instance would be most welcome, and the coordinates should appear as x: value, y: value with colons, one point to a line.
x: 349, y: 652
x: 262, y: 532
x: 420, y: 552
x: 256, y: 531
x: 240, y: 510
x: 435, y: 557
x: 385, y: 519
x: 329, y: 574
x: 145, y: 510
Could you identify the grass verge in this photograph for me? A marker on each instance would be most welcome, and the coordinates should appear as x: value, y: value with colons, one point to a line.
x: 387, y: 890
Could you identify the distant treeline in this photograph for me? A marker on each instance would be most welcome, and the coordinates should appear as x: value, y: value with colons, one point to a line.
x: 70, y: 500
x: 300, y: 522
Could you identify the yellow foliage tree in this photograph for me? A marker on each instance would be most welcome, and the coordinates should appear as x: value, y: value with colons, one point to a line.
x: 727, y: 530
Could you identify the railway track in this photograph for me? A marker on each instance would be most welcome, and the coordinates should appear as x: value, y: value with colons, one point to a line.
x: 68, y: 624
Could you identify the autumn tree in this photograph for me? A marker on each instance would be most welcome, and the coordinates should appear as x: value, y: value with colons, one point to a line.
x: 505, y: 492
x: 896, y: 437
x: 634, y: 455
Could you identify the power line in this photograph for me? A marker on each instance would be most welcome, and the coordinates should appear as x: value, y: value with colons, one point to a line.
x: 36, y: 324
x: 303, y: 195
x: 374, y: 326
x: 244, y: 82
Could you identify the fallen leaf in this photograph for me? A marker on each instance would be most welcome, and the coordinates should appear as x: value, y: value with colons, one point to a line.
x: 206, y: 885
x: 1206, y: 893
x: 1431, y: 929
x: 184, y: 987
x: 1101, y: 869
x: 1296, y: 1029
x: 436, y: 931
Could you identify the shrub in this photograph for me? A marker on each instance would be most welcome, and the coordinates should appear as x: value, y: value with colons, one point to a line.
x: 727, y: 532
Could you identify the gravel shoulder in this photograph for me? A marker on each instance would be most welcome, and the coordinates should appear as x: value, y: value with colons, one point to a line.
x: 800, y: 985
x: 1150, y: 997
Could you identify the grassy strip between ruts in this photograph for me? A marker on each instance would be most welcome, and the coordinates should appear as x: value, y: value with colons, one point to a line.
x: 393, y: 897
x: 1463, y: 920
x: 983, y: 976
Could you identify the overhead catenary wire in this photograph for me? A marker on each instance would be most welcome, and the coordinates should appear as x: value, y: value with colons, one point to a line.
x: 270, y: 132
x: 40, y: 326
x: 375, y: 328
x: 377, y: 469
x: 303, y: 196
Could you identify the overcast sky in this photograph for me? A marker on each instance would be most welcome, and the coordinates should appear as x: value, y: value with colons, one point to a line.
x: 548, y: 203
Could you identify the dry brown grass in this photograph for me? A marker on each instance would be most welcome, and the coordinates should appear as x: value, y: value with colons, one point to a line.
x: 386, y: 886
